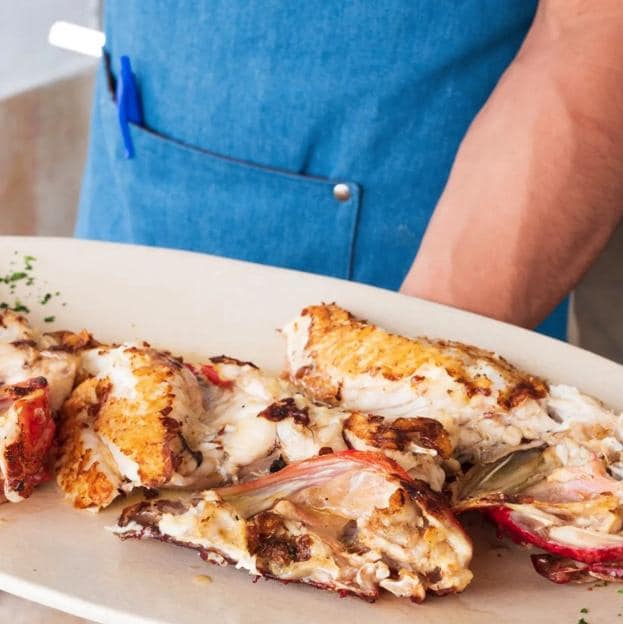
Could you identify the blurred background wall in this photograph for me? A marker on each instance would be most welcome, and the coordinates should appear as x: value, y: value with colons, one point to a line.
x: 599, y: 303
x: 44, y: 111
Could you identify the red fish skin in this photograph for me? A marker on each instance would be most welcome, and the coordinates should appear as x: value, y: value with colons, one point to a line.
x: 370, y: 459
x: 211, y: 374
x: 432, y: 501
x: 502, y: 517
x: 28, y: 458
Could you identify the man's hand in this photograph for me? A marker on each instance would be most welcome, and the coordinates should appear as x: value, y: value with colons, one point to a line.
x: 536, y: 188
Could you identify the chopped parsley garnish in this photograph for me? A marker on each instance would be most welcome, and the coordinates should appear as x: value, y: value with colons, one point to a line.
x: 584, y: 610
x: 16, y: 280
x: 20, y: 307
x: 582, y: 621
x: 49, y: 319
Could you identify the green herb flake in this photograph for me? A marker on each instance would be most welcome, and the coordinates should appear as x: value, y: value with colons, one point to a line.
x: 619, y: 591
x: 583, y: 610
x: 20, y: 307
x: 582, y: 621
x: 15, y: 279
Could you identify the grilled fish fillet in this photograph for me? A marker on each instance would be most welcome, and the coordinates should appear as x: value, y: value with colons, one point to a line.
x: 488, y: 406
x: 26, y: 354
x: 255, y: 421
x: 26, y: 437
x: 140, y: 418
x: 37, y: 373
x: 129, y: 423
x: 349, y: 522
x: 547, y: 459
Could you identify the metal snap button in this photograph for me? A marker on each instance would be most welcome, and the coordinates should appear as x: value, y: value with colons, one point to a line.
x: 341, y: 192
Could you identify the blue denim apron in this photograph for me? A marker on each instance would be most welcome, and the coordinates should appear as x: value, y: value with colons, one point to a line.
x: 254, y: 111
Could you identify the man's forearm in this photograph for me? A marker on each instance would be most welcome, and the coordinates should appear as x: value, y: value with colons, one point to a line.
x: 537, y: 186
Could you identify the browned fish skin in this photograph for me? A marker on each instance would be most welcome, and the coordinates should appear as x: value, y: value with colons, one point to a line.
x: 70, y: 342
x: 144, y: 425
x: 359, y: 525
x: 487, y: 406
x: 286, y: 408
x: 399, y: 434
x: 273, y: 546
x: 26, y: 438
x: 336, y: 338
x: 147, y: 513
x: 37, y: 373
x: 562, y: 570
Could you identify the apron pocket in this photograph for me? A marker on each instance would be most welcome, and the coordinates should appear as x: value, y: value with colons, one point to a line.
x: 175, y: 195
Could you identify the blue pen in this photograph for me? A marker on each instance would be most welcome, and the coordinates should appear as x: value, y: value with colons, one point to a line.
x: 128, y: 104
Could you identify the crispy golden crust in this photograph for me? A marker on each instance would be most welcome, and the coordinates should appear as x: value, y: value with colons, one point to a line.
x: 141, y: 429
x: 68, y: 341
x: 86, y: 474
x: 103, y: 423
x: 82, y: 478
x: 339, y: 341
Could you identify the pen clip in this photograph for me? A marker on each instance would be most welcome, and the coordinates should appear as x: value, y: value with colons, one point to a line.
x: 128, y: 104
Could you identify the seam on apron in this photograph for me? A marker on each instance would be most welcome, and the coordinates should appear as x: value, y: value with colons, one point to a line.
x: 354, y: 232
